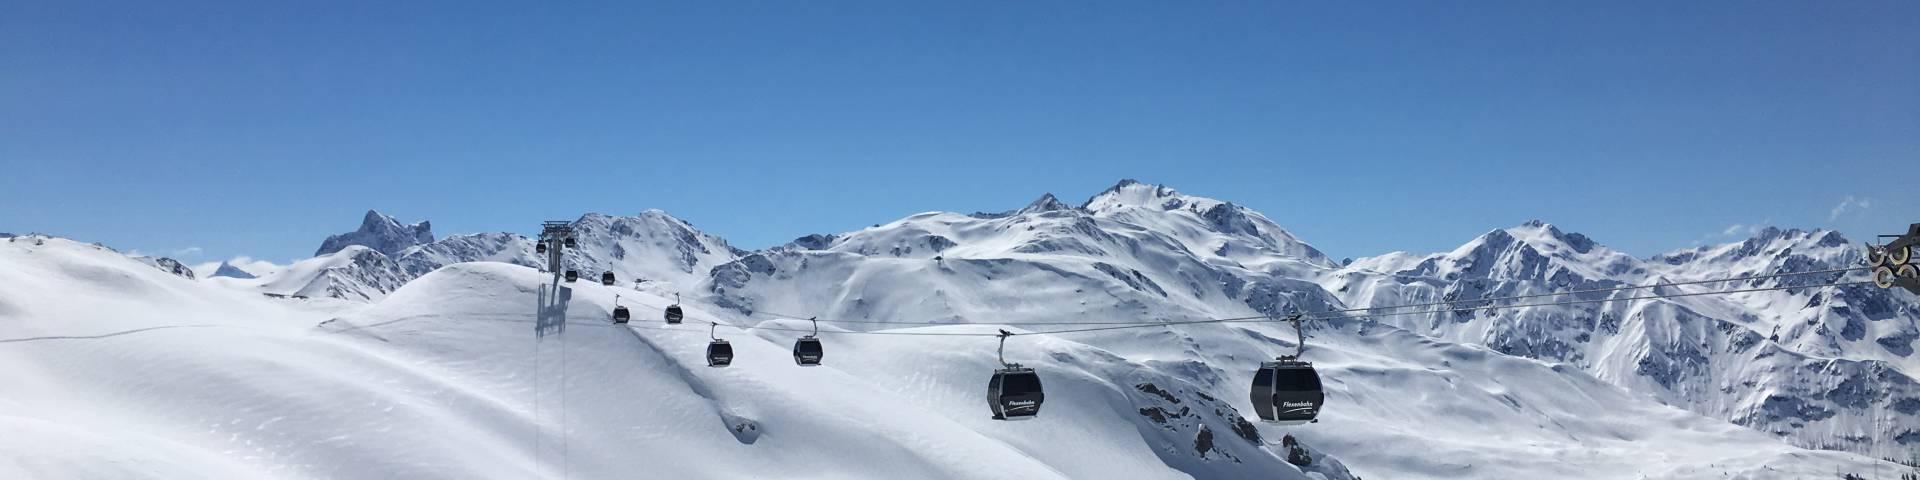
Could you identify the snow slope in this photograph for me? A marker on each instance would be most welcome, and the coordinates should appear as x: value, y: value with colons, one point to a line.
x: 354, y: 273
x: 1147, y: 252
x: 366, y: 264
x: 1825, y: 368
x: 457, y: 358
x: 475, y: 371
x: 652, y: 246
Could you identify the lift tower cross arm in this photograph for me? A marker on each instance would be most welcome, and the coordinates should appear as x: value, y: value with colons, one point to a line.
x: 1910, y: 239
x: 1893, y: 263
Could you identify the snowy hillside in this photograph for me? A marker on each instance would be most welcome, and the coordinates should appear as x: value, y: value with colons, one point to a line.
x: 664, y: 251
x: 459, y: 358
x: 167, y: 265
x: 480, y: 247
x: 1147, y: 252
x: 1825, y: 368
x: 476, y: 371
x: 652, y: 246
x: 1135, y: 251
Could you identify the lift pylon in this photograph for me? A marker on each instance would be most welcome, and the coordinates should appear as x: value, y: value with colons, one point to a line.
x: 555, y: 237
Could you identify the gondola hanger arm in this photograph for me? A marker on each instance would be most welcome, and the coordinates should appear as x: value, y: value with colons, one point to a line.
x: 1002, y: 352
x: 1300, y: 342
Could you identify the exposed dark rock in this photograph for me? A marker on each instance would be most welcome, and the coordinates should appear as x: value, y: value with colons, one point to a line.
x: 1159, y: 416
x: 381, y: 233
x: 1155, y: 390
x: 1203, y: 441
x: 1296, y: 454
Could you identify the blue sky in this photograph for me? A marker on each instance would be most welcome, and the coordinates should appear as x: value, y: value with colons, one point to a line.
x: 207, y: 130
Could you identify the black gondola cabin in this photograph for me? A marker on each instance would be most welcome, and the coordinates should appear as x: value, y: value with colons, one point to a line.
x: 606, y: 278
x: 674, y: 315
x: 621, y: 315
x: 1287, y: 392
x: 719, y: 353
x: 807, y: 351
x: 572, y: 275
x: 1014, y: 393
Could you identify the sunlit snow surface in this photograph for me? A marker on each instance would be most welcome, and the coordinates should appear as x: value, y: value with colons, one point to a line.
x: 116, y: 369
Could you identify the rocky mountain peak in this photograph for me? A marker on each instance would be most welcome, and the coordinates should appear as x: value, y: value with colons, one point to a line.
x: 1132, y: 193
x: 228, y: 270
x: 1046, y: 203
x: 1545, y: 235
x: 381, y: 233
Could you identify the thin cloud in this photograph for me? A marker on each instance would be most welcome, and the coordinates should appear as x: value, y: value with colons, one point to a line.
x: 1849, y: 205
x: 1734, y: 230
x: 176, y: 254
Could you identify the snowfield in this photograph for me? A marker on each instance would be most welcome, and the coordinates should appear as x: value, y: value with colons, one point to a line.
x: 456, y: 358
x: 153, y: 376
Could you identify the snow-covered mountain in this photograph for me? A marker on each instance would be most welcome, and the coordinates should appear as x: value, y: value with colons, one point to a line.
x: 381, y: 233
x: 1134, y: 250
x: 652, y: 246
x: 1825, y: 368
x: 355, y: 273
x: 167, y: 265
x: 1141, y: 251
x: 479, y: 247
x: 666, y: 252
x: 464, y: 335
x: 485, y: 370
x: 230, y: 271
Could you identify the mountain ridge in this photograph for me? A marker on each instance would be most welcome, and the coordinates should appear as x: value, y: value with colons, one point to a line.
x: 1138, y: 250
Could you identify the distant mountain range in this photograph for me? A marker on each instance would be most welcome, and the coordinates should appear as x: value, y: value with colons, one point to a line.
x: 1826, y: 368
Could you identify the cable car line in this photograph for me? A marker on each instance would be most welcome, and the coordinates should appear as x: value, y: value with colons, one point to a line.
x: 1612, y: 289
x: 1356, y: 309
x: 1602, y: 300
x: 1286, y: 390
x: 1322, y: 315
x: 852, y: 332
